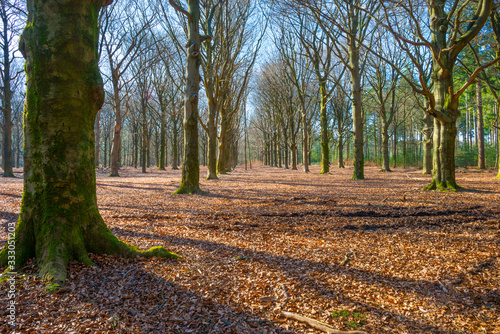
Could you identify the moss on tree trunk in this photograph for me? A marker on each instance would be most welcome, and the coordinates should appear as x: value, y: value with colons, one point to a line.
x: 59, y: 219
x: 190, y: 167
x: 443, y: 173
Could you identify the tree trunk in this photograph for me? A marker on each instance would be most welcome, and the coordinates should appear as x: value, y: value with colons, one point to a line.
x: 59, y: 218
x: 190, y: 165
x: 443, y: 176
x: 427, y: 144
x: 280, y: 151
x: 115, y: 147
x: 340, y: 147
x: 163, y: 135
x: 357, y: 116
x: 325, y: 150
x: 294, y: 156
x: 7, y: 158
x: 305, y: 140
x: 136, y: 144
x: 221, y: 161
x: 175, y: 145
x: 144, y: 134
x: 212, y: 143
x: 445, y: 131
x: 385, y: 147
x: 481, y: 160
x: 285, y: 149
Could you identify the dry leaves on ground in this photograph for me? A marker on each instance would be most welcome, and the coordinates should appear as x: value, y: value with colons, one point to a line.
x: 377, y: 255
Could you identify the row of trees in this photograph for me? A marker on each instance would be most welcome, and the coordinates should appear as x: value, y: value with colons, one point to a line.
x: 381, y: 46
x: 355, y: 75
x: 395, y: 62
x: 143, y: 52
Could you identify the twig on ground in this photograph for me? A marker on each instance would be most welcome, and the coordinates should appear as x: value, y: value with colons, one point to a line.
x: 133, y: 269
x: 164, y: 301
x: 318, y: 324
x: 442, y: 286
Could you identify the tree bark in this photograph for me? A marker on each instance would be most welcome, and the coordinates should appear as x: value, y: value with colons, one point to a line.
x: 190, y: 166
x: 212, y: 142
x: 481, y: 160
x: 445, y: 101
x: 325, y: 150
x: 59, y: 218
x: 340, y: 148
x: 305, y: 140
x: 357, y: 115
x: 385, y: 147
x: 144, y: 146
x: 116, y: 141
x: 427, y: 144
x: 6, y: 108
x: 221, y: 161
x: 175, y: 144
x: 163, y: 133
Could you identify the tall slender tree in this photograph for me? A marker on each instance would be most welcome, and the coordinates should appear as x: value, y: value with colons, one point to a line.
x: 191, y: 168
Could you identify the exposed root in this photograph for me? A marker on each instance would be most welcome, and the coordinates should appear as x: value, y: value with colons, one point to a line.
x: 443, y: 186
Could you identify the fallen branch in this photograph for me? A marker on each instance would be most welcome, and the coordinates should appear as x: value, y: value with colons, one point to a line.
x: 318, y: 324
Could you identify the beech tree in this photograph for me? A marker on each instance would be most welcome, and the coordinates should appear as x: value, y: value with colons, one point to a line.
x: 349, y: 24
x: 450, y: 29
x: 59, y: 218
x: 191, y: 168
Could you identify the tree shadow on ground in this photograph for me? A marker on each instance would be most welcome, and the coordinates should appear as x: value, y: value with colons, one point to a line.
x: 316, y: 288
x: 128, y: 296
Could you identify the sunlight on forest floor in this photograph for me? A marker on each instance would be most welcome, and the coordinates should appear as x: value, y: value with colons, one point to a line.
x: 378, y: 255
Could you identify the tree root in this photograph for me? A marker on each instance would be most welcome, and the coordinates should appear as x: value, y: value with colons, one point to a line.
x: 188, y: 190
x: 443, y: 186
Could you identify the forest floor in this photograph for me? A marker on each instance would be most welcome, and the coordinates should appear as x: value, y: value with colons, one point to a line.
x: 378, y: 255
